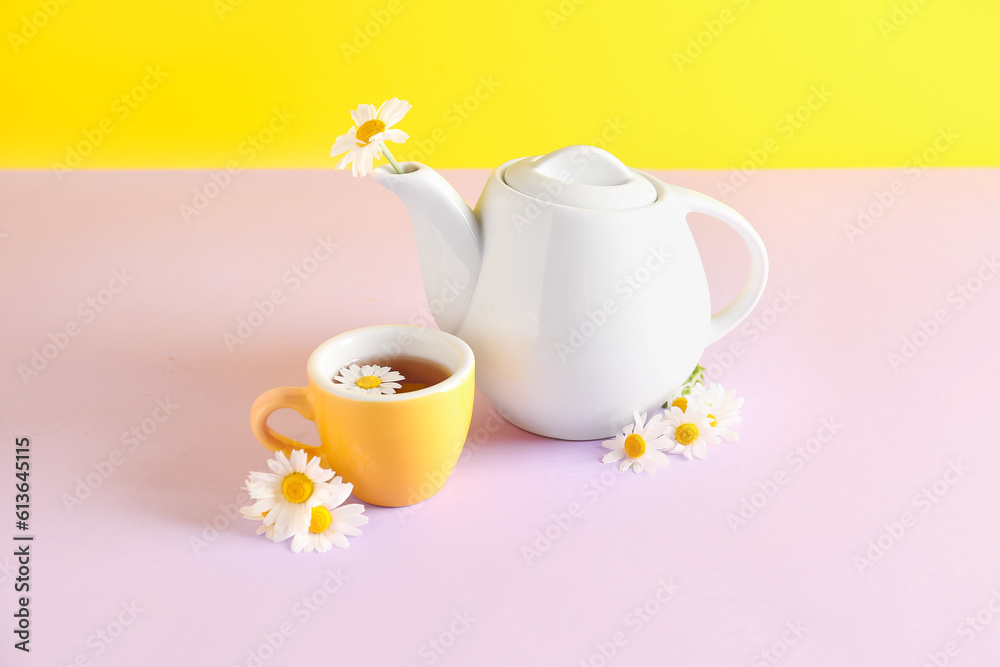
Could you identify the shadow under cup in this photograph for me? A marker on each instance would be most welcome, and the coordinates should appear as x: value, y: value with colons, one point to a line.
x: 396, y: 449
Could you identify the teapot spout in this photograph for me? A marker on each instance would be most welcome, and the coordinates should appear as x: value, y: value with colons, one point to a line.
x: 448, y: 238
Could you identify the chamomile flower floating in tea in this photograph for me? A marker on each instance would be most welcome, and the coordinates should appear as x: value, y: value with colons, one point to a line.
x: 365, y: 142
x: 331, y: 525
x: 285, y: 497
x: 689, y: 432
x: 639, y: 445
x: 369, y: 379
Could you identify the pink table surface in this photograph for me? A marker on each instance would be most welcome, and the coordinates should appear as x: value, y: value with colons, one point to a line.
x: 857, y: 522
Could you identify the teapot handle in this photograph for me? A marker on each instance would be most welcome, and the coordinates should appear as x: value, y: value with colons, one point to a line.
x: 729, y: 317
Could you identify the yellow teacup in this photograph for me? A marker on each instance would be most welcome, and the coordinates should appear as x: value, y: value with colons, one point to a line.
x: 396, y: 449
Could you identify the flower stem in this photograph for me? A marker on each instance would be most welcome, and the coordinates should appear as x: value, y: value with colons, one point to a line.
x: 392, y: 160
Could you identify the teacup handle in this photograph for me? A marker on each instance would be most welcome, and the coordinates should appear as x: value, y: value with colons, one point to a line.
x: 296, y: 398
x: 729, y: 317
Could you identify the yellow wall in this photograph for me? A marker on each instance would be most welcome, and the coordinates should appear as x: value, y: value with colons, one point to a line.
x: 177, y: 84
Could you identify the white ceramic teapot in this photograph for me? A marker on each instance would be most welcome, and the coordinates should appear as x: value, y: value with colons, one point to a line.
x: 576, y: 282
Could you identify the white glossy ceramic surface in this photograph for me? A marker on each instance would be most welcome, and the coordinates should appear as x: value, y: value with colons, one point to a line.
x: 580, y: 290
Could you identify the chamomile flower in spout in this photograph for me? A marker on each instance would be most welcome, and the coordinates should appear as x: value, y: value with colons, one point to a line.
x: 365, y: 141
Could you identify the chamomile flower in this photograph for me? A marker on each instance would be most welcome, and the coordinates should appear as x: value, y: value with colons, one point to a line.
x: 639, y: 445
x: 369, y: 379
x: 331, y: 525
x: 680, y: 396
x: 678, y: 399
x: 723, y: 409
x: 689, y: 432
x: 365, y: 141
x: 286, y: 496
x: 248, y: 513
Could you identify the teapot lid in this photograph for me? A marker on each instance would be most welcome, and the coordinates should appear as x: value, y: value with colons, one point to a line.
x: 581, y: 176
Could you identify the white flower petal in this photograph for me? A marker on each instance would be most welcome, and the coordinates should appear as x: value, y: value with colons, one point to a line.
x: 298, y: 460
x: 344, y: 142
x: 299, y: 542
x: 280, y: 464
x: 347, y: 159
x: 363, y: 114
x: 362, y: 165
x: 338, y: 494
x: 352, y: 514
x: 613, y: 456
x: 396, y: 136
x: 392, y: 111
x: 657, y: 457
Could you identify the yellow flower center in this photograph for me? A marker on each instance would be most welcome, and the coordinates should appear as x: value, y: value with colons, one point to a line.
x: 635, y: 445
x: 686, y: 433
x: 369, y: 129
x: 321, y: 519
x: 711, y: 419
x: 681, y: 403
x: 297, y: 487
x: 368, y: 382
